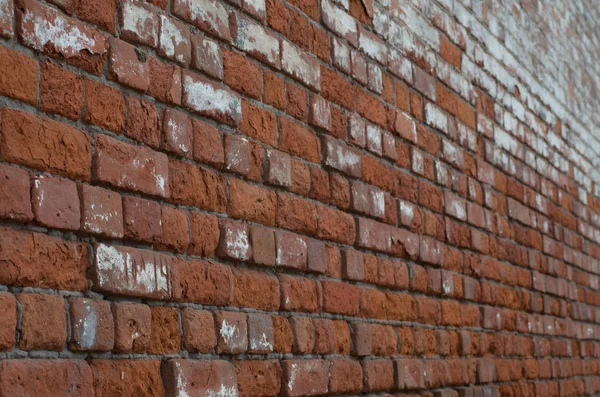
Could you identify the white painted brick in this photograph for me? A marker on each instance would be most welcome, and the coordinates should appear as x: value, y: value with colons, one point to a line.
x: 300, y: 65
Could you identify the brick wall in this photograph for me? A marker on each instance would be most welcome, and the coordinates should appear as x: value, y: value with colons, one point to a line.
x: 302, y: 197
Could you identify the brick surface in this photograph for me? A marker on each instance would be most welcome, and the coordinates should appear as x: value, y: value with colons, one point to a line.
x: 299, y: 197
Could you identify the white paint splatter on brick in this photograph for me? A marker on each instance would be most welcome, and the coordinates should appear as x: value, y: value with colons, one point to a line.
x: 206, y: 97
x: 140, y: 21
x: 66, y: 37
x: 170, y: 38
x: 339, y: 21
x: 261, y: 344
x: 436, y: 118
x: 237, y: 243
x: 208, y: 11
x: 252, y: 37
x: 122, y: 271
x: 87, y: 328
x: 300, y: 65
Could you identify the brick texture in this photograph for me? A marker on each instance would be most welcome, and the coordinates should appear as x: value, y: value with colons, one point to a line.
x: 299, y: 197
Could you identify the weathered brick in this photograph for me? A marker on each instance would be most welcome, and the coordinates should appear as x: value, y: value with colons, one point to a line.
x: 303, y: 377
x: 129, y: 377
x: 131, y: 271
x: 147, y: 171
x: 210, y: 16
x: 15, y: 193
x: 41, y: 376
x: 42, y: 261
x: 61, y: 91
x: 92, y: 325
x: 63, y: 37
x: 199, y: 378
x: 43, y: 322
x: 211, y: 100
x: 45, y: 144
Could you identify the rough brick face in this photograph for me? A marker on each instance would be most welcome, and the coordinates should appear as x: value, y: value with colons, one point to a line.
x: 299, y: 197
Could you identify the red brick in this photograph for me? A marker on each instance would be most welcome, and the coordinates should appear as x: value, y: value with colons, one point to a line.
x: 142, y: 219
x: 196, y: 93
x: 297, y: 101
x: 112, y: 271
x: 56, y: 203
x: 7, y: 19
x: 100, y: 13
x: 165, y: 82
x: 39, y: 377
x: 304, y: 377
x: 164, y: 337
x: 304, y: 335
x: 259, y: 123
x: 282, y: 335
x: 346, y: 376
x: 234, y: 241
x: 128, y: 66
x: 317, y: 256
x: 177, y: 133
x: 300, y: 294
x: 45, y: 145
x: 298, y: 141
x: 335, y: 225
x: 15, y: 201
x: 196, y: 186
x: 325, y: 338
x: 258, y: 377
x: 242, y: 75
x: 255, y: 289
x: 279, y: 169
x: 142, y: 122
x: 61, y: 91
x: 206, y: 56
x: 296, y: 214
x: 262, y: 241
x: 105, y: 106
x: 42, y: 261
x: 378, y: 375
x: 43, y: 322
x: 8, y: 316
x: 336, y: 88
x: 127, y: 377
x: 175, y: 229
x: 101, y: 211
x: 202, y: 282
x: 273, y: 90
x: 111, y: 156
x: 198, y: 330
x: 260, y: 333
x: 342, y: 157
x: 198, y: 378
x: 319, y: 184
x: 204, y: 234
x: 232, y: 332
x: 92, y: 326
x: 133, y: 325
x: 139, y: 23
x: 174, y: 41
x: 374, y: 339
x: 370, y: 108
x: 409, y: 374
x: 292, y: 250
x: 86, y: 49
x: 208, y: 145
